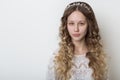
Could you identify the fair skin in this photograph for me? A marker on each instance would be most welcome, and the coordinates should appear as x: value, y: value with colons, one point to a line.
x: 77, y: 28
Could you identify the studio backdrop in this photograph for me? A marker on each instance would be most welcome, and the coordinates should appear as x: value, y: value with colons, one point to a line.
x: 29, y: 35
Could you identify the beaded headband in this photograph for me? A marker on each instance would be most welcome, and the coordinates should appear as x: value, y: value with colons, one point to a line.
x: 82, y: 4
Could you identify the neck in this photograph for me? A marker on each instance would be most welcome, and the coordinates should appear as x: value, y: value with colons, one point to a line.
x: 80, y: 47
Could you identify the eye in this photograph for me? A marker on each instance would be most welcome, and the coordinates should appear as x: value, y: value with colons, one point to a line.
x: 81, y: 23
x: 71, y: 23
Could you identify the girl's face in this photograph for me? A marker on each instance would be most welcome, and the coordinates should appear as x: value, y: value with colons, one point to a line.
x: 77, y: 26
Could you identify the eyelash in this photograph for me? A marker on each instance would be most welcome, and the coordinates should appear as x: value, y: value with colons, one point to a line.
x: 82, y: 23
x: 73, y: 23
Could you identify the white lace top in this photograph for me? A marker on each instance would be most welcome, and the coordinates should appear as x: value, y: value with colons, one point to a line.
x: 80, y: 70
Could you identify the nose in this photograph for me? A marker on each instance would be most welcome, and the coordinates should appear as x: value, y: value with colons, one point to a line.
x: 76, y: 28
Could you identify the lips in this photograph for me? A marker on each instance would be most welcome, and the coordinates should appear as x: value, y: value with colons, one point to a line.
x: 76, y: 35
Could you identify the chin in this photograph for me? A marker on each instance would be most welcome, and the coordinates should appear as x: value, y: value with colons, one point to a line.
x: 76, y: 39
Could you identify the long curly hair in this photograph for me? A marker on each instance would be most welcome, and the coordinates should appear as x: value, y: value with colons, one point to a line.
x: 96, y: 55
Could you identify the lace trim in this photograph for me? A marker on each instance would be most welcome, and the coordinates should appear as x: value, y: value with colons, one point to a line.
x: 80, y: 69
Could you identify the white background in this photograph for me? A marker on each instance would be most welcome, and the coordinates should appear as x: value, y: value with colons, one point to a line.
x: 29, y: 35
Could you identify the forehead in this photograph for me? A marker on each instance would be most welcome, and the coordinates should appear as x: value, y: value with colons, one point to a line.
x: 76, y: 16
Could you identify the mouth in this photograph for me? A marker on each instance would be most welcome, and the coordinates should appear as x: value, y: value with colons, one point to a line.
x: 76, y: 35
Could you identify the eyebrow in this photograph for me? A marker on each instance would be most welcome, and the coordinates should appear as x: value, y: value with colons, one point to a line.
x: 73, y: 20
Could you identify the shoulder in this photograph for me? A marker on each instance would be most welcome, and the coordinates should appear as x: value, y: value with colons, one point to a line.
x: 52, y: 57
x: 55, y: 52
x: 51, y: 66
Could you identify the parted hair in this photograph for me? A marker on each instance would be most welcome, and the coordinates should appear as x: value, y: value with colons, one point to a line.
x: 96, y: 55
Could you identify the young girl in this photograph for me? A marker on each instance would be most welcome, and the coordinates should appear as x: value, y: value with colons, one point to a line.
x: 80, y: 55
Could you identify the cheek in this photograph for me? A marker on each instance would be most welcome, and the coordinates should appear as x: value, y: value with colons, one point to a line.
x: 83, y: 30
x: 70, y: 29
